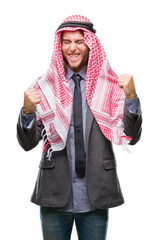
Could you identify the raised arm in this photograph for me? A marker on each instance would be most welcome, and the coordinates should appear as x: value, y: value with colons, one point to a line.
x: 28, y: 129
x: 132, y: 118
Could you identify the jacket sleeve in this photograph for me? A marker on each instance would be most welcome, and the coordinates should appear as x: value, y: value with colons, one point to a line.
x: 28, y: 138
x: 132, y: 124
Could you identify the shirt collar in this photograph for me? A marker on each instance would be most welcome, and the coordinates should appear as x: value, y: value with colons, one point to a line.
x: 69, y: 73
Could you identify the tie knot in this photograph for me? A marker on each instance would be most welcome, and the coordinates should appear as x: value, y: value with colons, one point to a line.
x: 77, y: 78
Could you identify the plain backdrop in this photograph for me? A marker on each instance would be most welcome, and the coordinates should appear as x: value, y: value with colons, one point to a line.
x: 128, y: 31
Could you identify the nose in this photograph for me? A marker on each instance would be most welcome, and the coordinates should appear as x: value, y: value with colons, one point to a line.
x: 73, y: 46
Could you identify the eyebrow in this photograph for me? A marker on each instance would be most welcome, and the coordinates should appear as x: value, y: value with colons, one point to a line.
x: 75, y: 40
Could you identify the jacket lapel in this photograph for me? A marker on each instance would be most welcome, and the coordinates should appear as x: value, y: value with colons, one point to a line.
x: 89, y: 120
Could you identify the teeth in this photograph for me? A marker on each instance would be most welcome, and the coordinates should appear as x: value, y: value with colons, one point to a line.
x: 74, y: 56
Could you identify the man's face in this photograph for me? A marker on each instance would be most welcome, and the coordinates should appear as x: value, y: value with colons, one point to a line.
x: 75, y: 51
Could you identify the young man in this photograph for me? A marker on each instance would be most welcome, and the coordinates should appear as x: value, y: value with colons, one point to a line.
x: 79, y: 108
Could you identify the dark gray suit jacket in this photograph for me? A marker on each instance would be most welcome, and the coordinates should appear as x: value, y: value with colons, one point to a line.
x: 53, y: 186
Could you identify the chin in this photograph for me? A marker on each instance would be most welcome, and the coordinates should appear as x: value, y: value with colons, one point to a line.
x: 75, y: 68
x: 78, y: 67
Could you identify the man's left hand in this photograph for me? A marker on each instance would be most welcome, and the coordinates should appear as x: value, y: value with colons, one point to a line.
x: 126, y: 82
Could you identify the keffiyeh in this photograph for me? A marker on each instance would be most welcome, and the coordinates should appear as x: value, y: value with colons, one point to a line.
x: 104, y: 97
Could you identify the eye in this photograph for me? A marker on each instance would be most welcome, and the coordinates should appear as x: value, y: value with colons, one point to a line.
x: 66, y: 41
x: 80, y: 41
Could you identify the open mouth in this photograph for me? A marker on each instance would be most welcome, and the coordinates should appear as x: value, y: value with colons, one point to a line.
x: 73, y: 56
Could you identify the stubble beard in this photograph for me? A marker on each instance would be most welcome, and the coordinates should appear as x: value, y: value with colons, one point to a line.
x: 81, y: 65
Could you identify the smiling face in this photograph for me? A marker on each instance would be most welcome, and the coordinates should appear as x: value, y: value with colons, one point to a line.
x: 75, y: 51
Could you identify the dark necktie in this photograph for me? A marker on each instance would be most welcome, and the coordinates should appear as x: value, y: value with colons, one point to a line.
x: 78, y: 127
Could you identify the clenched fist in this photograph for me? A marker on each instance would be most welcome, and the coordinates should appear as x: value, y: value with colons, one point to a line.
x: 31, y: 99
x: 127, y: 83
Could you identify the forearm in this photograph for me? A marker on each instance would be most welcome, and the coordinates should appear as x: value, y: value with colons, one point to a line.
x: 132, y: 121
x: 28, y: 138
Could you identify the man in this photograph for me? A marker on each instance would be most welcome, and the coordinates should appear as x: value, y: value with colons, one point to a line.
x: 79, y: 107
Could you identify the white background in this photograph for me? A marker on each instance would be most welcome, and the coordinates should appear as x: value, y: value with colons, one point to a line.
x: 129, y: 32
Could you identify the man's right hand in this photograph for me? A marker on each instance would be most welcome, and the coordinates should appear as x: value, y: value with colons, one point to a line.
x: 31, y: 99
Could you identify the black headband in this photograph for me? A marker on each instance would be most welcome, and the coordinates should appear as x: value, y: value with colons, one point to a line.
x: 87, y: 25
